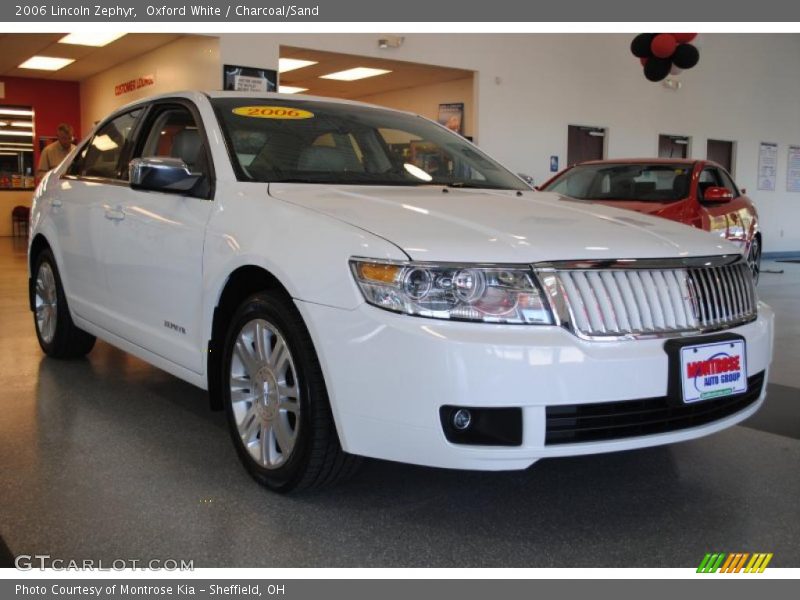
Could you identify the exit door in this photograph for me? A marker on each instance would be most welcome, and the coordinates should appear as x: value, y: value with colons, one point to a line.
x: 721, y: 152
x: 585, y: 143
x: 673, y: 146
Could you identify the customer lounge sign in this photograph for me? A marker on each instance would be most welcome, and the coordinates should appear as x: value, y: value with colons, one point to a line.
x: 134, y: 84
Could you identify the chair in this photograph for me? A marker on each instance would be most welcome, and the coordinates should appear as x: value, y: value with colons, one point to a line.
x: 20, y: 215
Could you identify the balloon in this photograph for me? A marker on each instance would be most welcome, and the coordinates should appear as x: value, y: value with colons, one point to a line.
x: 684, y: 38
x: 663, y: 45
x: 640, y: 46
x: 675, y: 70
x: 686, y: 56
x: 657, y: 69
x: 644, y: 60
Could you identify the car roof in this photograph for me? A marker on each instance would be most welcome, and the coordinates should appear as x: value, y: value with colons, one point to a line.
x: 266, y: 96
x: 649, y: 161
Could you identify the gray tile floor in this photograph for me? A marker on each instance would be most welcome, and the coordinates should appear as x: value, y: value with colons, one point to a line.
x: 110, y: 458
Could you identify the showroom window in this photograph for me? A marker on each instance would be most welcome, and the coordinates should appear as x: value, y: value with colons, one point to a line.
x: 16, y: 147
x: 101, y: 156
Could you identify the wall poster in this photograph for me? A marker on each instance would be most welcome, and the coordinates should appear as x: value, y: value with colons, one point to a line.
x: 767, y: 166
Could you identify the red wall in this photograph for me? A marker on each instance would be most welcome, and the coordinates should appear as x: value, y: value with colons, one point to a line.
x: 53, y: 102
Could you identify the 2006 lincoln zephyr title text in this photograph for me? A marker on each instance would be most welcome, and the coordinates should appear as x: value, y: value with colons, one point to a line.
x: 349, y: 281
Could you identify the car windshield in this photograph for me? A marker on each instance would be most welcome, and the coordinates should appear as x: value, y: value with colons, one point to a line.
x: 279, y: 140
x: 625, y: 181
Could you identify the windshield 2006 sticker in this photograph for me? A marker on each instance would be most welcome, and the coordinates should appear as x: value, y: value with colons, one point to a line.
x: 273, y: 112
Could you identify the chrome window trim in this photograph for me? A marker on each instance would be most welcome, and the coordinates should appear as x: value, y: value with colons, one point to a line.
x: 638, y: 263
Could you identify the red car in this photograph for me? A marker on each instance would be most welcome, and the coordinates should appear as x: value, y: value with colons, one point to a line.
x: 699, y: 193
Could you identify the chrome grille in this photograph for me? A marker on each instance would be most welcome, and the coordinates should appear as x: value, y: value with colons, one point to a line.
x: 623, y: 298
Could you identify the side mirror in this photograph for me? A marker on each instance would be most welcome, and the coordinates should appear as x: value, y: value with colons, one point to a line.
x: 526, y: 178
x: 717, y: 195
x: 161, y: 174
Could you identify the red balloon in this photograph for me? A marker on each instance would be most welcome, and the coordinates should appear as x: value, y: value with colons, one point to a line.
x: 684, y: 38
x: 644, y: 60
x: 663, y: 45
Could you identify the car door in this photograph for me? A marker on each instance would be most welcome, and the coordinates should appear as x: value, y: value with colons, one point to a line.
x: 80, y: 212
x: 154, y: 254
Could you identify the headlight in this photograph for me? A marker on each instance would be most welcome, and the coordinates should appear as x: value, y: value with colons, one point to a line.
x: 495, y: 294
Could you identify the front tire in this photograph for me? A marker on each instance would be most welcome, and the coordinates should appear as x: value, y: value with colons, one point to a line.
x: 275, y: 399
x: 57, y: 334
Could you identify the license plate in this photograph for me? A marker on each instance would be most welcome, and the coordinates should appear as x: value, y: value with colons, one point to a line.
x: 713, y: 370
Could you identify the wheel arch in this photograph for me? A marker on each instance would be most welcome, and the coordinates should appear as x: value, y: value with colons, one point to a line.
x: 244, y: 281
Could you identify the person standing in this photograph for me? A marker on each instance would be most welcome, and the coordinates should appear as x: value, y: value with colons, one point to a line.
x: 54, y: 153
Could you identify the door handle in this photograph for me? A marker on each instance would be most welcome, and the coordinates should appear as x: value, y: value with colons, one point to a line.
x: 55, y: 203
x: 114, y: 214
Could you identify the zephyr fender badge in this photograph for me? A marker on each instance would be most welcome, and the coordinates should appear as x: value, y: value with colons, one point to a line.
x: 173, y: 326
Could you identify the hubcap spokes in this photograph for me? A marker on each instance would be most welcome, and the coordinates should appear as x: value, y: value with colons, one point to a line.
x: 46, y: 303
x: 265, y: 394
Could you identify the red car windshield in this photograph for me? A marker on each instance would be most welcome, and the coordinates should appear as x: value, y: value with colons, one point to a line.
x: 625, y: 181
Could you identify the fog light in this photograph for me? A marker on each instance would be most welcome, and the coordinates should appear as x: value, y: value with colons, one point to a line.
x: 462, y: 419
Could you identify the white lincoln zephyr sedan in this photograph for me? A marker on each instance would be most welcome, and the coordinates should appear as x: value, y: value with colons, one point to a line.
x: 347, y: 281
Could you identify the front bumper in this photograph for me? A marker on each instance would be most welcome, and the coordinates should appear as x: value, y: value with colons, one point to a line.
x: 388, y: 375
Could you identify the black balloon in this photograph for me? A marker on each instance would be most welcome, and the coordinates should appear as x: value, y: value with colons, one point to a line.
x: 640, y: 46
x: 686, y: 56
x: 657, y: 69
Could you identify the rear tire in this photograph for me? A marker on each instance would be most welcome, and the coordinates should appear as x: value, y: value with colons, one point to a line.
x: 275, y: 399
x: 57, y: 334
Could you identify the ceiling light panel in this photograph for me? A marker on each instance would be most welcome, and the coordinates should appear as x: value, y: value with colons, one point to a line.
x: 355, y: 74
x: 290, y: 89
x: 292, y: 64
x: 89, y: 38
x: 46, y: 63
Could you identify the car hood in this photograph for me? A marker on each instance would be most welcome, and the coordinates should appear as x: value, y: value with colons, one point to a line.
x: 469, y: 225
x: 648, y: 208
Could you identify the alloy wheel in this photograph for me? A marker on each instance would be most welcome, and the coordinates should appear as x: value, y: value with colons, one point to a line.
x: 46, y: 303
x: 264, y: 394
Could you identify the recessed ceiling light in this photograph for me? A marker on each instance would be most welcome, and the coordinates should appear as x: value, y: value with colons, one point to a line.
x: 290, y: 89
x: 46, y: 63
x: 356, y: 73
x: 89, y: 38
x: 17, y: 133
x: 290, y: 64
